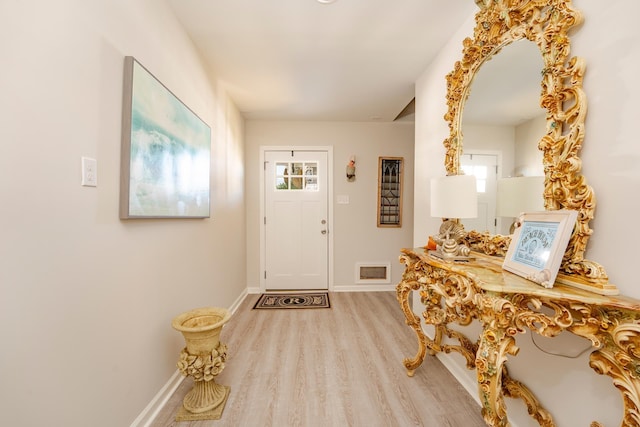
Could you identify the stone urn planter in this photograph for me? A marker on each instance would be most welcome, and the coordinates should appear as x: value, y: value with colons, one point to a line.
x: 202, y: 359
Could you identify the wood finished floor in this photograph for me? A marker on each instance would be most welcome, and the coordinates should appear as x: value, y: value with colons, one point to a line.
x: 330, y: 367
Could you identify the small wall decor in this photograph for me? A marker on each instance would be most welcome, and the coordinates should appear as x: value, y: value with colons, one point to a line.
x: 390, y: 174
x: 166, y: 151
x: 351, y: 169
x: 538, y: 245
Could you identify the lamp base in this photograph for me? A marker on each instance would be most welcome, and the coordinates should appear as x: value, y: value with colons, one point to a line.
x: 448, y: 257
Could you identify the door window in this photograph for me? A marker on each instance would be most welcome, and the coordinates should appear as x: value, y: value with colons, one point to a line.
x: 296, y: 176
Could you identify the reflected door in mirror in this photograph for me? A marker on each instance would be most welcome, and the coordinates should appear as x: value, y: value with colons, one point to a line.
x: 485, y: 168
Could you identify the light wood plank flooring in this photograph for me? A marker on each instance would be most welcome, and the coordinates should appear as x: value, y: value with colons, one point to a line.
x: 330, y: 367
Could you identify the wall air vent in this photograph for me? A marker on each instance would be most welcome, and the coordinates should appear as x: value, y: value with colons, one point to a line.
x: 373, y: 272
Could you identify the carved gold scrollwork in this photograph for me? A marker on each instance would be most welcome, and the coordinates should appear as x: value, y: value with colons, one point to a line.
x: 504, y: 318
x: 529, y: 316
x: 457, y: 293
x: 452, y: 293
x: 448, y: 298
x: 546, y: 23
x: 517, y: 390
x: 495, y: 344
x: 607, y: 362
x: 627, y: 337
x: 619, y: 359
x: 616, y: 332
x: 487, y: 243
x: 467, y: 348
x: 410, y: 282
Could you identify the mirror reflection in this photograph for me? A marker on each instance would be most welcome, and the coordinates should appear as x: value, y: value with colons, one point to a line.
x: 502, y: 123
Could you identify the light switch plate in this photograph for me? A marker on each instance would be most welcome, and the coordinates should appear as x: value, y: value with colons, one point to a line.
x: 89, y: 172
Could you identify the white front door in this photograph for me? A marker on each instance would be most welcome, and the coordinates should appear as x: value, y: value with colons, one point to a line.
x: 296, y: 220
x: 485, y: 168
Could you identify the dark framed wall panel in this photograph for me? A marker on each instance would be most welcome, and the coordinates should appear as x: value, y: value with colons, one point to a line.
x: 390, y: 176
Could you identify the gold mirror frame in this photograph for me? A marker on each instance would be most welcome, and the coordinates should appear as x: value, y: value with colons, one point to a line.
x: 546, y: 23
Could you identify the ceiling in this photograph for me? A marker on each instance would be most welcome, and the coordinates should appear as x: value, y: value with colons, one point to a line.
x: 351, y: 60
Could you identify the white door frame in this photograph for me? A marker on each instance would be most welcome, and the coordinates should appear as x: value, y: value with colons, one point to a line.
x: 329, y: 150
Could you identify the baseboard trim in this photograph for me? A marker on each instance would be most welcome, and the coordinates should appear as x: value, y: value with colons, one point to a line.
x: 364, y: 288
x: 238, y: 301
x: 148, y: 415
x: 344, y: 288
x: 462, y: 375
x: 154, y: 407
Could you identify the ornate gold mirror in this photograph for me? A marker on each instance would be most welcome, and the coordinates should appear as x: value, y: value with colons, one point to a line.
x: 546, y: 23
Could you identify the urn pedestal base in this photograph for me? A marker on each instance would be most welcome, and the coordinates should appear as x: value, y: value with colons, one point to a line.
x: 212, y: 414
x: 203, y: 359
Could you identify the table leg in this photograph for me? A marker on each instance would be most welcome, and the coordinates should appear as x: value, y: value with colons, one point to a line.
x: 494, y: 345
x: 403, y: 290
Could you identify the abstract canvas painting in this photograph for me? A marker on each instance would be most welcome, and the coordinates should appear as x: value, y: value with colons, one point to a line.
x: 166, y: 152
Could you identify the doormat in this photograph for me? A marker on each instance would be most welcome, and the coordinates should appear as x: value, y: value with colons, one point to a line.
x: 294, y: 300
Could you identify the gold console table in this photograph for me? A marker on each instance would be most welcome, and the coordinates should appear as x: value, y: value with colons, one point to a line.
x: 507, y: 305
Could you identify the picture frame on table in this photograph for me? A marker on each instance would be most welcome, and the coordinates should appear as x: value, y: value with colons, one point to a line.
x: 538, y: 245
x: 166, y: 151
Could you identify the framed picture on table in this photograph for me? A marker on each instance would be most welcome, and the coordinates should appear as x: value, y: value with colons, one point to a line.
x: 538, y: 245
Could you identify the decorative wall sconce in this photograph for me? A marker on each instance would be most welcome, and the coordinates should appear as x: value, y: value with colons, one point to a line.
x: 453, y: 197
x: 351, y: 169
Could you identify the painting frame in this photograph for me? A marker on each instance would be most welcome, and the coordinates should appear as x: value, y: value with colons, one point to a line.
x: 165, y: 162
x: 539, y: 244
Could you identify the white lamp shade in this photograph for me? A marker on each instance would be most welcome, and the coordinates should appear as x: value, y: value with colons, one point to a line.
x: 454, y: 196
x: 520, y: 194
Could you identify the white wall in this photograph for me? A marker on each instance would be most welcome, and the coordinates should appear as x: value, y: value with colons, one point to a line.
x: 528, y: 157
x: 86, y: 300
x: 607, y: 40
x: 431, y: 130
x: 518, y: 145
x: 479, y: 139
x: 356, y: 235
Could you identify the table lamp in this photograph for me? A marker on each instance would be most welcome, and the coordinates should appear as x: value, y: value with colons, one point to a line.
x: 453, y: 197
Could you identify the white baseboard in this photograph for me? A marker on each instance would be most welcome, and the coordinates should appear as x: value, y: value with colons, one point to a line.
x: 461, y: 374
x: 344, y: 288
x: 238, y: 301
x: 152, y: 410
x: 364, y: 288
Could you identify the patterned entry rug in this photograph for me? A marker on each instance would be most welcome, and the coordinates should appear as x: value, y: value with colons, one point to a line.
x: 294, y: 300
